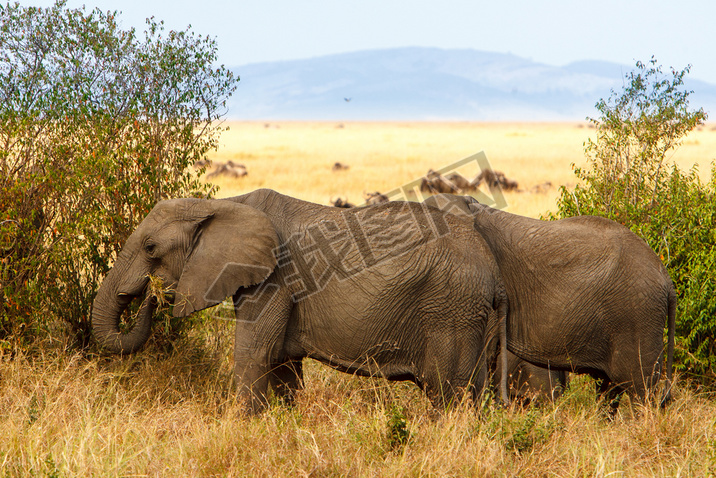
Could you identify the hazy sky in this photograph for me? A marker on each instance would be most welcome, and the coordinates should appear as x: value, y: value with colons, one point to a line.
x: 555, y: 32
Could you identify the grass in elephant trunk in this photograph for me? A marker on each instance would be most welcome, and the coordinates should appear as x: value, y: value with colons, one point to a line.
x: 157, y: 290
x: 175, y: 414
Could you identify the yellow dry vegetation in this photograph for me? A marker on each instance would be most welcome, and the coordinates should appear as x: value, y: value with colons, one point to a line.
x: 296, y: 158
x: 174, y: 413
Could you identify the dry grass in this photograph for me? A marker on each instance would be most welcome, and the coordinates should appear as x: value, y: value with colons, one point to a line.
x: 174, y: 414
x: 295, y: 158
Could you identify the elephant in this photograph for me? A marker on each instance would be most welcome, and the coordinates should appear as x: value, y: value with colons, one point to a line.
x: 399, y: 290
x: 586, y: 295
x: 527, y: 382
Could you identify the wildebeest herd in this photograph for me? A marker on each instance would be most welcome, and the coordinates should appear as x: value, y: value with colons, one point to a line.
x: 449, y: 293
x: 453, y: 183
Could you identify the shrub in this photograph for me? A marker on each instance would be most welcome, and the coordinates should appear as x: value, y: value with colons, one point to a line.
x: 628, y: 179
x: 398, y: 433
x: 96, y: 126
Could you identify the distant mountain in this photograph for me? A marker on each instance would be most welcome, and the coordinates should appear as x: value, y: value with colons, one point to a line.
x: 430, y: 84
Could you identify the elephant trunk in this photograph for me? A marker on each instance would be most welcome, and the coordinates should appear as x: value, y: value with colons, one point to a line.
x: 107, y: 310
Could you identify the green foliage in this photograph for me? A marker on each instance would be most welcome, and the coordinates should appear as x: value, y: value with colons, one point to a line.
x: 96, y: 126
x: 398, y: 433
x: 523, y: 431
x: 526, y: 432
x: 51, y: 471
x: 628, y: 179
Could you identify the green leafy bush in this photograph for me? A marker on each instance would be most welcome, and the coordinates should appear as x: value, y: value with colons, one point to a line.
x: 398, y: 434
x: 96, y: 126
x: 628, y: 179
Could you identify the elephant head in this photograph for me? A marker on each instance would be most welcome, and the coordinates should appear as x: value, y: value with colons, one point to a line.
x: 202, y: 250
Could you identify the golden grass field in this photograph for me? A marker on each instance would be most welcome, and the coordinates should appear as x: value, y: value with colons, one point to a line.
x: 174, y: 414
x: 295, y: 158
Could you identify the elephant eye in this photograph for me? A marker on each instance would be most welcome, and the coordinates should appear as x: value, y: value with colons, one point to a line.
x: 150, y: 248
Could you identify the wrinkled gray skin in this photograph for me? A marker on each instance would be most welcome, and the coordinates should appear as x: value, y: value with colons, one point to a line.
x: 527, y: 382
x: 398, y: 289
x: 586, y: 295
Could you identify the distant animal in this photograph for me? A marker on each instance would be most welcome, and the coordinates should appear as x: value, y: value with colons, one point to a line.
x: 347, y: 100
x: 339, y: 202
x: 459, y: 182
x: 541, y: 188
x: 375, y: 198
x: 202, y: 163
x: 495, y: 179
x: 453, y: 183
x: 433, y: 182
x: 230, y: 169
x: 338, y: 166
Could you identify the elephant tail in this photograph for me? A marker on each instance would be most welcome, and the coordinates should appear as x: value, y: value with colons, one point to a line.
x: 671, y: 327
x: 502, y: 309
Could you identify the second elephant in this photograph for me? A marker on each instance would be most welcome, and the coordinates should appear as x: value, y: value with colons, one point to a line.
x: 586, y: 295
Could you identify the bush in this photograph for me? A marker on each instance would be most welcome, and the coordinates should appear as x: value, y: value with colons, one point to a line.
x: 629, y: 180
x: 96, y: 126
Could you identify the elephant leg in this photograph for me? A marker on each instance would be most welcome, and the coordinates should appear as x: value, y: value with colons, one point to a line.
x: 438, y: 383
x: 638, y: 368
x: 252, y: 366
x: 251, y: 374
x: 286, y: 378
x: 454, y: 367
x: 562, y: 383
x: 649, y: 377
x: 442, y: 393
x: 262, y: 315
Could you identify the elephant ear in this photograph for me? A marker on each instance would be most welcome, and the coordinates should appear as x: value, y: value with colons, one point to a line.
x: 234, y: 246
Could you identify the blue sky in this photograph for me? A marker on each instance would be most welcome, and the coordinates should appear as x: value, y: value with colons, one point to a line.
x: 555, y: 32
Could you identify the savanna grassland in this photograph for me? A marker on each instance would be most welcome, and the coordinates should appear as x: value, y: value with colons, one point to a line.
x: 172, y: 412
x: 295, y: 158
